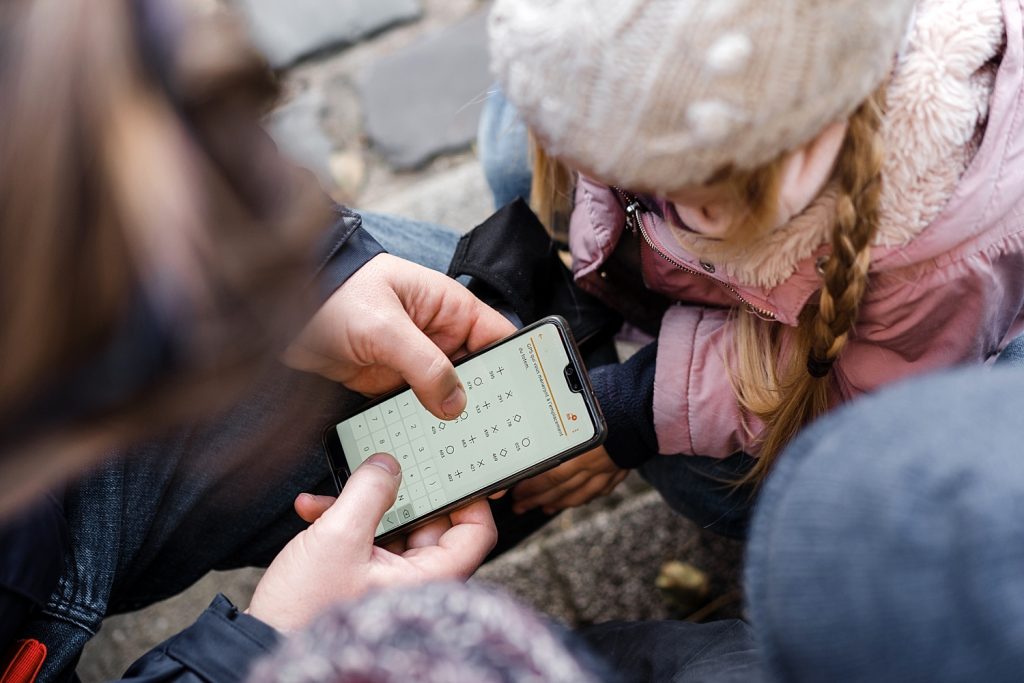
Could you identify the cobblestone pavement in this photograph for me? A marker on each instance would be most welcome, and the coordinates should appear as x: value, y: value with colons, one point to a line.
x: 381, y: 102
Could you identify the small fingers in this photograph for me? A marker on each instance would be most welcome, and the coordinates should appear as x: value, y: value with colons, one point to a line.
x: 545, y: 497
x: 545, y: 481
x: 616, y: 480
x: 584, y: 494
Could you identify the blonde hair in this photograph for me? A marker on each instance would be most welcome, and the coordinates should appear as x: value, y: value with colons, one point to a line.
x: 551, y: 191
x: 788, y: 393
x: 781, y: 375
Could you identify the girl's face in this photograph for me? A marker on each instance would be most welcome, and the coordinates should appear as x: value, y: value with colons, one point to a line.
x: 708, y: 210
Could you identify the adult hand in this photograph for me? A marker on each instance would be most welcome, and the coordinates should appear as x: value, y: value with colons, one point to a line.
x: 571, y: 484
x: 335, y: 558
x: 394, y: 320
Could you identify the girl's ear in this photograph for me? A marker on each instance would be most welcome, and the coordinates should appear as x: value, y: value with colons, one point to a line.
x: 808, y: 169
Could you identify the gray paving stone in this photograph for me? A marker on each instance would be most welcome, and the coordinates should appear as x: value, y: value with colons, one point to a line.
x: 425, y: 100
x: 605, y: 567
x: 288, y: 30
x: 524, y: 574
x: 457, y: 198
x: 296, y: 128
x: 609, y: 565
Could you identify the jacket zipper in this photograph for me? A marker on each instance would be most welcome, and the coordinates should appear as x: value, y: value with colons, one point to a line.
x: 633, y: 211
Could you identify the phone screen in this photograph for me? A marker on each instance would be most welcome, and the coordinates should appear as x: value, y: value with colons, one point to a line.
x: 520, y: 411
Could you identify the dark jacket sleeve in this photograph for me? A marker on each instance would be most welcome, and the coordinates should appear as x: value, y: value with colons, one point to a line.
x: 220, y: 647
x: 345, y: 248
x: 222, y: 644
x: 626, y: 394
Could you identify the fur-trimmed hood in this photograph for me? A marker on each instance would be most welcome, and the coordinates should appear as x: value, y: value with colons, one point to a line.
x: 938, y: 108
x: 947, y: 273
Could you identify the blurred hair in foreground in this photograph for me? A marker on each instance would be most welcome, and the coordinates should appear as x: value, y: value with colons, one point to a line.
x: 154, y: 248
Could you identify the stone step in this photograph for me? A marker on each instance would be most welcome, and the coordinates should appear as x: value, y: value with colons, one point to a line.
x: 606, y: 567
x: 457, y: 198
x: 425, y: 100
x: 289, y: 30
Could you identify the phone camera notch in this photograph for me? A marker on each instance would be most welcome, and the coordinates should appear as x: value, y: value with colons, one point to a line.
x: 572, y: 378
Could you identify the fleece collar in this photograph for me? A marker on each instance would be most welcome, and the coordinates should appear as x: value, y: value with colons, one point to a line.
x: 937, y: 107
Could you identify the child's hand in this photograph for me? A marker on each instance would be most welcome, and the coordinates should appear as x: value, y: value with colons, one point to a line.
x: 570, y: 484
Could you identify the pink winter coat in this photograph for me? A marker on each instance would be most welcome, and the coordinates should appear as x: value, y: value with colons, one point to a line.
x: 947, y: 273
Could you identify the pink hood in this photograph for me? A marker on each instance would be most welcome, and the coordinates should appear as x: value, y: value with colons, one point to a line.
x: 947, y: 275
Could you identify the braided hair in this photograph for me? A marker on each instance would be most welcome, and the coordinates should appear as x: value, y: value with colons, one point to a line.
x: 790, y: 394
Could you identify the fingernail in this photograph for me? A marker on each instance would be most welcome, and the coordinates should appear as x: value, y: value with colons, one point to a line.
x: 455, y: 402
x: 306, y: 497
x: 386, y: 463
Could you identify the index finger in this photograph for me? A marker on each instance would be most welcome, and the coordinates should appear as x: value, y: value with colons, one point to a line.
x: 461, y: 549
x: 488, y: 327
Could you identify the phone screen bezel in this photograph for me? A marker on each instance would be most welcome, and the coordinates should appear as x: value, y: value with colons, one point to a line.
x: 339, y: 465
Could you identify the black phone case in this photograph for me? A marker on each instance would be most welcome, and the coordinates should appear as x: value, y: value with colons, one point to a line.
x: 339, y: 468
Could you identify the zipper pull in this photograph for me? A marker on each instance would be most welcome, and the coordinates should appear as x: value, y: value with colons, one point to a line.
x: 633, y: 212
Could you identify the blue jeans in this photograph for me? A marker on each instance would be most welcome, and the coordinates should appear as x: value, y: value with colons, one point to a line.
x: 503, y: 150
x: 218, y: 494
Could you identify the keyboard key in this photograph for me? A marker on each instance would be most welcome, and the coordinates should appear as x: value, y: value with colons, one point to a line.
x: 416, y: 489
x: 381, y: 442
x: 419, y: 449
x: 428, y: 469
x: 389, y: 409
x: 408, y: 405
x: 403, y: 454
x: 421, y: 506
x: 411, y: 475
x: 374, y: 419
x: 437, y: 499
x: 413, y: 427
x: 358, y: 426
x: 390, y: 521
x: 397, y: 434
x: 432, y: 485
x: 366, y: 448
x: 405, y: 513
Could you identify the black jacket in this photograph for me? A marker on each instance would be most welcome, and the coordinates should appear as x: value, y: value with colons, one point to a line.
x: 221, y: 645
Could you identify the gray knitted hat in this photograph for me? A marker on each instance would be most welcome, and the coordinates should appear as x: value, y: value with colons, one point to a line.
x: 658, y: 94
x: 438, y: 633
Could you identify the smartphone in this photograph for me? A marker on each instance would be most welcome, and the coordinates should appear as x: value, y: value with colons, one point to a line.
x: 529, y: 407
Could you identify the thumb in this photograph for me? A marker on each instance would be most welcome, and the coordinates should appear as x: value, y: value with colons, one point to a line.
x: 425, y: 368
x: 364, y: 499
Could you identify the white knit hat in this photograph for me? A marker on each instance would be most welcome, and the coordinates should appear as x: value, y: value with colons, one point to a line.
x: 658, y: 94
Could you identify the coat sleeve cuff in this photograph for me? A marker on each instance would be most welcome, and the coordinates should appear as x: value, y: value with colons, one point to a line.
x: 222, y: 644
x: 346, y: 248
x: 621, y: 389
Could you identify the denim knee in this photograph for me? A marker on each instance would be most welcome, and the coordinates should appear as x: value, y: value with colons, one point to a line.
x: 503, y: 150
